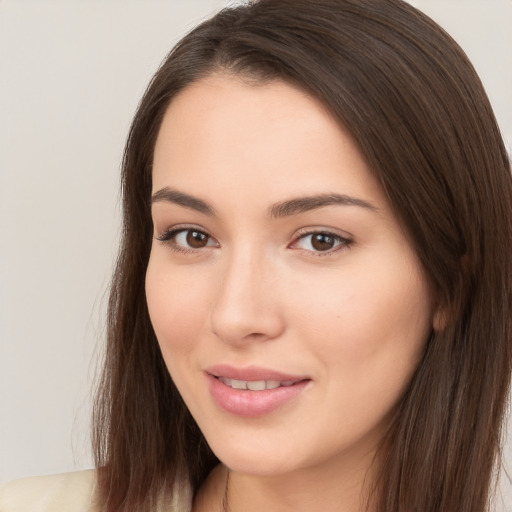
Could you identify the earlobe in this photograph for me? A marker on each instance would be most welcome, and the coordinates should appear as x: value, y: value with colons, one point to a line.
x: 442, y: 313
x: 440, y: 319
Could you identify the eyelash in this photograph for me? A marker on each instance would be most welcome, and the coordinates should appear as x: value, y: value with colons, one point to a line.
x: 342, y: 242
x: 168, y: 238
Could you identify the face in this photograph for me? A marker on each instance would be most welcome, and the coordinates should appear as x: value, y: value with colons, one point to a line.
x: 290, y: 309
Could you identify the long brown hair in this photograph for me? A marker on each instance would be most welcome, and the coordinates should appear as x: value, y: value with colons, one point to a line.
x: 418, y: 112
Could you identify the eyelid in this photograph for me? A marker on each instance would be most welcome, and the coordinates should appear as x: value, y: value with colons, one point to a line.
x: 345, y: 240
x: 176, y: 228
x: 168, y: 235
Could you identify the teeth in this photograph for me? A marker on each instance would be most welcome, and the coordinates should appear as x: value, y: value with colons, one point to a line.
x: 238, y: 384
x: 255, y: 385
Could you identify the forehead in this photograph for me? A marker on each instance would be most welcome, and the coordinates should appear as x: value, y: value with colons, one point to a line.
x: 226, y: 99
x: 222, y: 133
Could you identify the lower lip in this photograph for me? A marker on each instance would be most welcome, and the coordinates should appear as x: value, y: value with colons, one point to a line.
x: 251, y: 404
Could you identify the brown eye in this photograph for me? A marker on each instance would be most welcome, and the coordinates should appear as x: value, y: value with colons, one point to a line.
x: 187, y: 239
x: 196, y: 239
x: 322, y: 242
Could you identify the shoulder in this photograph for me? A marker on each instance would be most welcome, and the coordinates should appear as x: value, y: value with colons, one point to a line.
x: 68, y: 492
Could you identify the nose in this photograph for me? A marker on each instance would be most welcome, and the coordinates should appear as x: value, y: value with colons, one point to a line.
x: 246, y: 306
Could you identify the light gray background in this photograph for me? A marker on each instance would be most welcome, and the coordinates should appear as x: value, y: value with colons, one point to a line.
x: 71, y: 74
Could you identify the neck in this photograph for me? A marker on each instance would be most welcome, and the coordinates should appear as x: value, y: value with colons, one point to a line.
x: 330, y: 487
x: 323, y: 488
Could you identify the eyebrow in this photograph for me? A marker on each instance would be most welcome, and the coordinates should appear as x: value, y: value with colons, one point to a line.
x: 305, y: 204
x: 180, y: 198
x: 278, y: 210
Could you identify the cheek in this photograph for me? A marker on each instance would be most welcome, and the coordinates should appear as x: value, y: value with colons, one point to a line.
x: 369, y: 340
x: 177, y: 306
x: 370, y: 322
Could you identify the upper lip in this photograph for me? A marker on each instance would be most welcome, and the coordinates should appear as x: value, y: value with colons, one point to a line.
x: 252, y: 373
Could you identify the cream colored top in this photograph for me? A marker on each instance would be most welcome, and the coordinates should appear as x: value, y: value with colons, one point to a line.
x: 68, y: 492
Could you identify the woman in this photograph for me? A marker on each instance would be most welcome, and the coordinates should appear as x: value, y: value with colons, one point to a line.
x: 312, y: 304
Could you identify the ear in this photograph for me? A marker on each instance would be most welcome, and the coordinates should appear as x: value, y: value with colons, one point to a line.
x: 440, y: 318
x: 441, y: 312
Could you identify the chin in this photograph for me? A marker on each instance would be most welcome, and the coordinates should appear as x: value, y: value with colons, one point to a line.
x: 258, y: 458
x: 261, y: 466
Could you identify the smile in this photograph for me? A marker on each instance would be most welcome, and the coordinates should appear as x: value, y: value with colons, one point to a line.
x: 255, y: 385
x: 254, y: 391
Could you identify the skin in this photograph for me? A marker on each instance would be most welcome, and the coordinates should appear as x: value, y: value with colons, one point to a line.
x: 353, y: 318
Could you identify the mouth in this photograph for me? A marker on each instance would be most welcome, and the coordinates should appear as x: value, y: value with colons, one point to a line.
x: 254, y: 391
x: 253, y: 378
x: 255, y: 385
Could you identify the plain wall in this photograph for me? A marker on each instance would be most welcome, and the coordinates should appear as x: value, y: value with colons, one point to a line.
x: 71, y: 75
